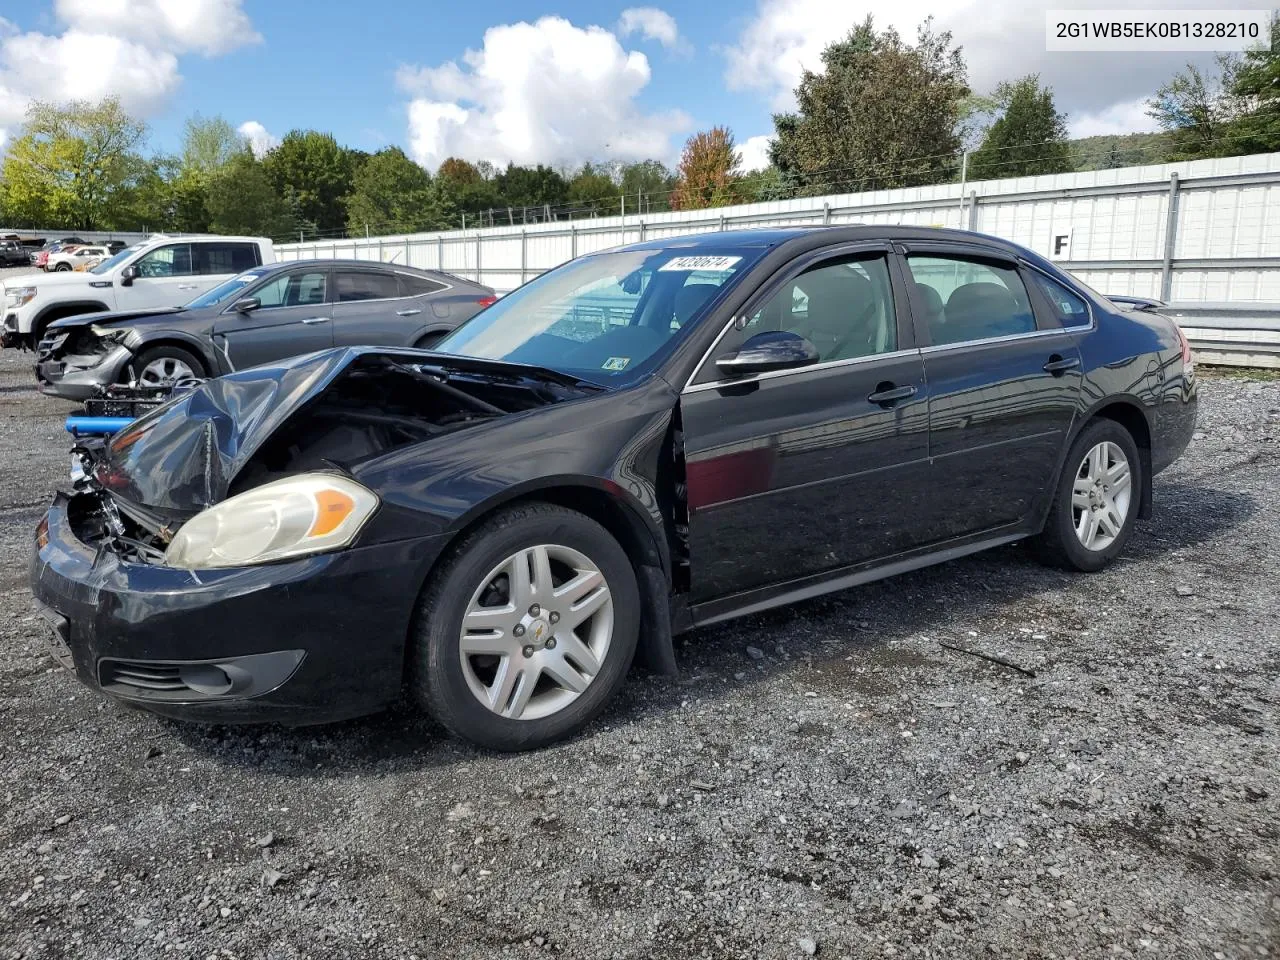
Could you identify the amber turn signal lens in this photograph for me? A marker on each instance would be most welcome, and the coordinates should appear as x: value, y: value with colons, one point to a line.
x: 332, y: 507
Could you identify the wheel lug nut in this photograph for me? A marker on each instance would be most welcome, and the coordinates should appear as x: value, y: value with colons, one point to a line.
x: 528, y: 651
x: 534, y: 610
x: 519, y: 630
x: 554, y: 618
x: 551, y: 643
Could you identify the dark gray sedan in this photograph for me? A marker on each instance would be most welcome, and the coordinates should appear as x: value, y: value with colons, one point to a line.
x: 260, y: 316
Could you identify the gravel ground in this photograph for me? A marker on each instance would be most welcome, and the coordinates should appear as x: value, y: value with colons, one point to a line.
x: 822, y: 778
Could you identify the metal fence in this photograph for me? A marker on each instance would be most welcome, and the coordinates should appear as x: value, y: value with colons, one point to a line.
x: 90, y: 236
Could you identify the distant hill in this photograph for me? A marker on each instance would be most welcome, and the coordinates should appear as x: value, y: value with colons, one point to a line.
x: 1129, y: 150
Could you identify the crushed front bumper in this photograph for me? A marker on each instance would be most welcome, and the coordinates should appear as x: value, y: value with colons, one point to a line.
x: 304, y: 641
x: 79, y: 377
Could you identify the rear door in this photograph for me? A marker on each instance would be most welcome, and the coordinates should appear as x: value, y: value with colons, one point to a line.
x: 798, y: 473
x: 213, y: 261
x: 294, y: 318
x: 372, y: 307
x: 1004, y: 383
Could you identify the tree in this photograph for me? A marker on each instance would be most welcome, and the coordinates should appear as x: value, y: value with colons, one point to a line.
x: 458, y: 171
x: 708, y: 172
x: 767, y: 184
x: 1029, y: 138
x: 1256, y: 88
x: 647, y: 185
x: 530, y: 186
x: 208, y: 145
x: 1199, y: 109
x: 311, y: 167
x: 242, y: 200
x: 883, y: 113
x: 592, y: 186
x: 391, y: 192
x: 70, y: 161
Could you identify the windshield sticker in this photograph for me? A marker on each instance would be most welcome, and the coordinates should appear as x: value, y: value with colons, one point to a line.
x: 710, y: 264
x: 617, y: 363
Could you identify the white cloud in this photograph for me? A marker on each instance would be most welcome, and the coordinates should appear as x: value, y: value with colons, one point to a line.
x: 125, y: 48
x: 754, y: 152
x: 1118, y: 118
x: 652, y: 24
x: 543, y: 92
x: 1001, y: 39
x: 260, y: 139
x: 210, y: 27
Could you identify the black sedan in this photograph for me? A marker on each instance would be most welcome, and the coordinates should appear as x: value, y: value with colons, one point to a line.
x: 259, y: 316
x: 639, y: 442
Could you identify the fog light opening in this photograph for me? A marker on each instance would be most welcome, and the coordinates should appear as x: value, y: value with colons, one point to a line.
x: 206, y: 678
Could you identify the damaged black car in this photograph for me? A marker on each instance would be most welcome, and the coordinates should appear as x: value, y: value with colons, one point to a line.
x: 634, y: 444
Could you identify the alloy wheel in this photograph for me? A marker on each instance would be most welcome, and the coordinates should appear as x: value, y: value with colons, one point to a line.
x: 536, y: 632
x: 1101, y: 495
x: 164, y: 370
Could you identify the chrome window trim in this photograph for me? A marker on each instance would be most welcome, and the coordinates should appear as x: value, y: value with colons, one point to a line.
x: 1007, y: 338
x: 430, y: 293
x: 1088, y: 302
x: 808, y: 368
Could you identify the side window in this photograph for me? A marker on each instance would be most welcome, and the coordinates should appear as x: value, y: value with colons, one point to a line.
x: 228, y: 257
x: 844, y: 308
x: 292, y: 290
x: 412, y: 285
x: 173, y: 260
x: 970, y: 300
x: 1070, y: 308
x: 362, y: 285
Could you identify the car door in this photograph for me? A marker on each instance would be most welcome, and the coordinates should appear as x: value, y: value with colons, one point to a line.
x: 1004, y: 383
x: 164, y: 279
x: 369, y: 308
x: 293, y: 317
x: 797, y: 473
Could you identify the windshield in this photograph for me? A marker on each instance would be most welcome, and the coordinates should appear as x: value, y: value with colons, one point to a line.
x: 106, y: 266
x: 607, y: 318
x: 225, y: 290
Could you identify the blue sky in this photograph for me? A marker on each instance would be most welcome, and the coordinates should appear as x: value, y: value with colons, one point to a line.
x: 540, y: 85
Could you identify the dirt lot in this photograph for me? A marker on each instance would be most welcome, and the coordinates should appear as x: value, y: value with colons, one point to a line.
x: 823, y: 778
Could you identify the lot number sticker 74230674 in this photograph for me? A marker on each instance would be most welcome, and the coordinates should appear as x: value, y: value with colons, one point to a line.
x: 709, y: 264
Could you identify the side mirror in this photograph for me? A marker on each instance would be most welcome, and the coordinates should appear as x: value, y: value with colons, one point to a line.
x: 770, y: 350
x: 246, y: 305
x: 128, y: 275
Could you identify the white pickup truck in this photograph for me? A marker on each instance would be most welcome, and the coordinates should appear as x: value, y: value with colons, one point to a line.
x: 160, y: 272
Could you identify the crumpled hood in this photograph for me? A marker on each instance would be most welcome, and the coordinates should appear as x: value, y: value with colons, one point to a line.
x: 181, y: 457
x: 109, y: 318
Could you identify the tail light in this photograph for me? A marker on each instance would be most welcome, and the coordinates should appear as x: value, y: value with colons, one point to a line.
x: 487, y: 301
x: 1188, y: 362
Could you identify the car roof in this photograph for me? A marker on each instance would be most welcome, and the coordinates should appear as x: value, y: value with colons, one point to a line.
x: 339, y: 262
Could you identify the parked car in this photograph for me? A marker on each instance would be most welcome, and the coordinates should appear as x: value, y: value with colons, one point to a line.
x: 12, y: 254
x: 160, y: 272
x: 73, y: 255
x: 638, y: 442
x: 88, y: 263
x: 260, y: 316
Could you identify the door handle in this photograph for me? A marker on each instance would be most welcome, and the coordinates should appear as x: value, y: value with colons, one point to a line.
x: 886, y: 394
x: 315, y: 319
x: 188, y: 286
x: 411, y: 312
x: 1058, y: 364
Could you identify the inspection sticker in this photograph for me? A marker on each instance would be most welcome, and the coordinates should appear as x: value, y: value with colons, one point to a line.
x: 710, y: 264
x: 616, y: 363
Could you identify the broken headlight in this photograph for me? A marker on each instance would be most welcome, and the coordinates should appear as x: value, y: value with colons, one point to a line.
x: 109, y: 334
x: 309, y: 513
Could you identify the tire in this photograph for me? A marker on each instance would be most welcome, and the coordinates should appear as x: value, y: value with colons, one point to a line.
x: 154, y: 366
x: 450, y: 685
x: 1061, y: 543
x: 62, y: 267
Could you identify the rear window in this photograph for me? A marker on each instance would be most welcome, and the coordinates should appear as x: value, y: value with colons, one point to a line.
x: 365, y: 285
x: 411, y: 285
x: 225, y: 257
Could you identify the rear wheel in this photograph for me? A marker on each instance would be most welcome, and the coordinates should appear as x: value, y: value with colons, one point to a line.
x: 527, y: 630
x: 164, y: 365
x: 1097, y: 500
x: 61, y: 267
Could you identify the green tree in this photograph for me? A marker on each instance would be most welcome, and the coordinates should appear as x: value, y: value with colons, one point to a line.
x: 530, y: 186
x: 1199, y: 109
x: 767, y: 184
x: 883, y: 113
x: 312, y: 168
x: 209, y: 144
x: 592, y: 186
x: 391, y: 192
x: 709, y: 171
x: 1029, y: 137
x: 647, y: 185
x: 242, y: 200
x: 1256, y: 88
x: 70, y: 161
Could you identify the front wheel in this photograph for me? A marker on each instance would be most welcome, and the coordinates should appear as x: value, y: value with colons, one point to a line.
x: 165, y: 365
x: 1097, y: 500
x: 527, y: 630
